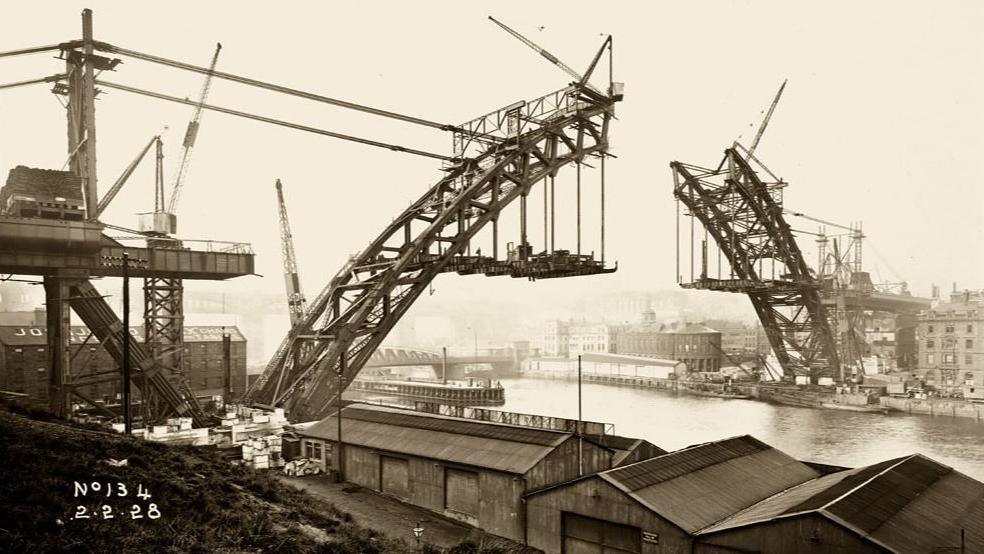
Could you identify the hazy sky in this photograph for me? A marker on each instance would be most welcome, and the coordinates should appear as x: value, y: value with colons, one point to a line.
x: 881, y: 121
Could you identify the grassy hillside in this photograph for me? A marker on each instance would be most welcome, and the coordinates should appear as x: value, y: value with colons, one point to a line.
x: 205, y: 504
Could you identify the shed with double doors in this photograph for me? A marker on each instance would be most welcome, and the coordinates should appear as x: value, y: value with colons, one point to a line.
x: 473, y: 471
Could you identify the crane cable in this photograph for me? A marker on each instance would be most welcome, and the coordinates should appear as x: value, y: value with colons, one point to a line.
x: 106, y: 47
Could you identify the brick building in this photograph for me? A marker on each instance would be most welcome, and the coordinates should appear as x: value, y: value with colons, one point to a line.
x: 24, y: 360
x: 695, y: 344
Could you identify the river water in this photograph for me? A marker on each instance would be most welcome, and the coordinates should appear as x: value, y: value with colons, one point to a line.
x: 673, y: 421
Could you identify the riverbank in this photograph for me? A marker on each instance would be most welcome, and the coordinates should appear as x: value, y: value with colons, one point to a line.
x: 802, y: 398
x: 676, y: 420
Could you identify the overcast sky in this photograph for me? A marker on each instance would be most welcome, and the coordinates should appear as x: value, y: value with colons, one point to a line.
x: 881, y: 121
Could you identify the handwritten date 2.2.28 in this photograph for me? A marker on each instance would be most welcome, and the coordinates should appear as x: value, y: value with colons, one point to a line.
x: 113, y: 491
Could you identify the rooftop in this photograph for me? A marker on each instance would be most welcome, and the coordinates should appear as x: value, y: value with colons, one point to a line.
x: 497, y: 446
x: 698, y: 486
x: 911, y: 504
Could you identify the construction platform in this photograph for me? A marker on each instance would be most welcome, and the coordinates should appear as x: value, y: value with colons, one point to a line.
x: 37, y: 246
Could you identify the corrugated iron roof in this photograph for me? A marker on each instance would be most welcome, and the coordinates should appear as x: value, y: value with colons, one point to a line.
x: 681, y: 462
x: 909, y: 504
x: 700, y: 485
x: 419, y: 420
x: 480, y: 444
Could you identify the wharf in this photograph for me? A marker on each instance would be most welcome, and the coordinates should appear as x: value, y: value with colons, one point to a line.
x: 469, y: 392
x: 946, y: 407
x: 656, y: 383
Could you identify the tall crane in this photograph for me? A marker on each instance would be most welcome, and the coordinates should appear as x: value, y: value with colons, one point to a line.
x: 192, y: 133
x: 295, y: 297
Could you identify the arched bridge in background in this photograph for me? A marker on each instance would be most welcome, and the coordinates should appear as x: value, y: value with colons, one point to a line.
x: 501, y: 360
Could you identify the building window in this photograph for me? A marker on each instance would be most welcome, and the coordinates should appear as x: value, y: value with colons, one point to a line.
x: 969, y: 343
x: 968, y: 359
x: 313, y: 450
x: 970, y: 327
x: 930, y: 343
x: 929, y: 329
x: 949, y: 328
x: 930, y: 359
x: 949, y: 358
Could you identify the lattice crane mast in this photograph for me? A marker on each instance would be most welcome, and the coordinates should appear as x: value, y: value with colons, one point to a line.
x: 296, y: 302
x: 191, y: 134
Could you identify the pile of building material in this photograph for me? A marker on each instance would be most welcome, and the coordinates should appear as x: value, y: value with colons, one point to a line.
x: 256, y: 431
x: 178, y: 430
x: 302, y: 466
x: 263, y: 453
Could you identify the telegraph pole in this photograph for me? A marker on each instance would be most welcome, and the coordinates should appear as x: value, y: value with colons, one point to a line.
x: 127, y: 416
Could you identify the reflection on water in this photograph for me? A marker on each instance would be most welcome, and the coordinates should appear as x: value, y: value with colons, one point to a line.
x: 827, y: 436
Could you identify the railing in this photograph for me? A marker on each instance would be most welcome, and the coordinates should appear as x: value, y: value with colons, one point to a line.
x: 515, y: 119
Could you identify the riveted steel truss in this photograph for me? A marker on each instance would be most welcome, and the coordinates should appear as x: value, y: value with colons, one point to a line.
x: 499, y: 158
x: 742, y: 213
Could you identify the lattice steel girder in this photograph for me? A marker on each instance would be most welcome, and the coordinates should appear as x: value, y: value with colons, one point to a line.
x: 352, y: 316
x: 743, y: 215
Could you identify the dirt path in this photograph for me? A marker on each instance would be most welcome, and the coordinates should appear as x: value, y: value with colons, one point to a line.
x: 384, y: 514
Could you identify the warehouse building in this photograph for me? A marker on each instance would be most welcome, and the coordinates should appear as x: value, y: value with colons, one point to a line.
x: 741, y: 495
x: 909, y: 504
x: 658, y: 505
x: 473, y: 471
x: 24, y: 360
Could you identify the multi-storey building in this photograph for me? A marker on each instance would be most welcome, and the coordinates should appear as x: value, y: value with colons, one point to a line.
x: 24, y: 361
x: 694, y: 344
x: 592, y: 338
x: 556, y: 339
x: 950, y: 340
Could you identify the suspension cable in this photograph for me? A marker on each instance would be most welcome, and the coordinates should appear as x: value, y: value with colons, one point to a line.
x: 282, y: 123
x: 105, y: 47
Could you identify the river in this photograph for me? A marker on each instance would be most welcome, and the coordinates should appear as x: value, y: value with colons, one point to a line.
x: 673, y: 421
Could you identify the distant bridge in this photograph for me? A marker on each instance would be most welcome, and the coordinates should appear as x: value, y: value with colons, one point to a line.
x: 504, y: 359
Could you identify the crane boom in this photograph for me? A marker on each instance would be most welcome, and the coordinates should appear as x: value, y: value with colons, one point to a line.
x: 543, y: 52
x: 296, y: 303
x: 765, y: 122
x: 115, y: 189
x: 192, y: 133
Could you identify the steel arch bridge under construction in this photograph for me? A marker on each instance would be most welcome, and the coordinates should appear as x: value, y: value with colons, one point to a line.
x: 497, y: 159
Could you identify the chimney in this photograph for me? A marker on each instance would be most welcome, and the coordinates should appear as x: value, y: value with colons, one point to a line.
x: 40, y: 317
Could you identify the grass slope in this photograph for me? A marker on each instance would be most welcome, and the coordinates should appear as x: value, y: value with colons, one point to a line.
x: 206, y: 504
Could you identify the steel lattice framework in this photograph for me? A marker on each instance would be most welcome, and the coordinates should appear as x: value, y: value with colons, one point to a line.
x: 744, y: 216
x: 499, y: 157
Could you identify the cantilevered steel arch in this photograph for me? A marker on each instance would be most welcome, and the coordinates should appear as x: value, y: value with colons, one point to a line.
x: 499, y: 158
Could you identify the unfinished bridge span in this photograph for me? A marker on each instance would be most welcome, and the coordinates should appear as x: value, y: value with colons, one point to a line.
x: 497, y: 160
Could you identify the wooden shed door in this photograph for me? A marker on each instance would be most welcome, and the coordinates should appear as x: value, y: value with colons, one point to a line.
x: 394, y: 476
x: 461, y: 491
x: 586, y: 535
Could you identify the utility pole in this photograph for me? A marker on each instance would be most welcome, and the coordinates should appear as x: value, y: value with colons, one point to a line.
x: 580, y: 435
x: 444, y: 365
x: 127, y: 416
x: 226, y: 366
x: 338, y: 402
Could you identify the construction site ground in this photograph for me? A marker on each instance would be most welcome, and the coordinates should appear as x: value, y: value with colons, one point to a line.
x: 394, y: 518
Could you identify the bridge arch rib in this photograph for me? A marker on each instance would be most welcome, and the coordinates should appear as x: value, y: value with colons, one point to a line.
x: 743, y: 214
x: 514, y: 149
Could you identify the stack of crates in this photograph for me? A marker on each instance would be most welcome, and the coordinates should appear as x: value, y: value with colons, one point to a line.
x: 263, y: 452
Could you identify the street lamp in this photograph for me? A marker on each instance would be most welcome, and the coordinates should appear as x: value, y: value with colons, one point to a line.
x: 418, y: 532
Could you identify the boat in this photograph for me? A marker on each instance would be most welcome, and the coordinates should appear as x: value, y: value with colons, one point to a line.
x: 869, y: 408
x: 724, y: 392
